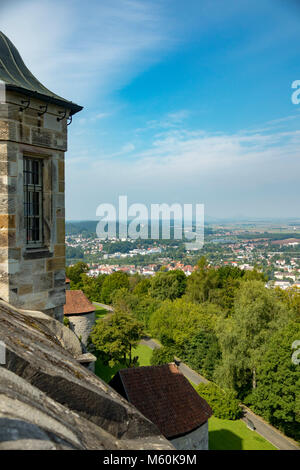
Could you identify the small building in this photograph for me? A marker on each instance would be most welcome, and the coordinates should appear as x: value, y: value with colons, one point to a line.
x: 81, y: 314
x: 165, y: 397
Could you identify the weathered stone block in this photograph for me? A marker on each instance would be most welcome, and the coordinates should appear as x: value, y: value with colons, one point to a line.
x: 14, y: 253
x: 8, y: 130
x: 7, y: 204
x: 38, y: 266
x: 25, y: 289
x: 42, y: 137
x: 3, y: 168
x: 60, y: 200
x: 55, y: 264
x: 34, y: 300
x: 3, y: 254
x: 60, y: 278
x: 24, y: 133
x: 8, y: 168
x: 7, y: 221
x: 56, y: 297
x: 60, y: 213
x: 8, y: 185
x: 60, y: 231
x: 7, y: 238
x: 61, y: 170
x: 82, y: 325
x: 4, y: 291
x: 12, y: 151
x: 59, y: 251
x: 42, y: 281
x: 4, y: 130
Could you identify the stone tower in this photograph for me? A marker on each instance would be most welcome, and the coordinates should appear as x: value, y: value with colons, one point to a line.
x: 33, y: 141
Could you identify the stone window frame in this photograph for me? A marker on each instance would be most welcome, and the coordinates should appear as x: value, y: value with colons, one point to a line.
x: 42, y: 249
x: 33, y: 201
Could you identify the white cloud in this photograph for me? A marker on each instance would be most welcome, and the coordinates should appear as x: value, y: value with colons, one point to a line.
x: 230, y: 173
x: 80, y: 49
x: 100, y: 116
x: 168, y: 121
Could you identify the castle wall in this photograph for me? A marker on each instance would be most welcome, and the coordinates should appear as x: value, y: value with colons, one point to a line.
x: 82, y: 325
x: 195, y: 440
x: 32, y: 278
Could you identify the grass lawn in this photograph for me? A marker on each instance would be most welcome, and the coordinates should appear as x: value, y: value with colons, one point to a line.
x: 106, y: 373
x: 234, y: 435
x: 100, y: 312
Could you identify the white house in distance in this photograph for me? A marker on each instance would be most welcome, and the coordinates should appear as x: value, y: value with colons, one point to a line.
x: 165, y: 397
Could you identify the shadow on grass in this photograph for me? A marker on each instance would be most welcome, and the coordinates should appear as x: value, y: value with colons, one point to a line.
x: 100, y: 313
x: 106, y: 373
x: 224, y: 440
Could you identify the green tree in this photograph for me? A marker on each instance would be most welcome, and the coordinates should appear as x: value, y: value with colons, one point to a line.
x: 116, y: 336
x: 162, y: 356
x: 142, y: 288
x: 257, y: 313
x: 291, y: 298
x: 201, y: 282
x: 168, y: 285
x: 223, y: 402
x: 134, y: 281
x: 92, y: 286
x: 277, y: 395
x: 145, y: 308
x: 227, y: 283
x: 174, y: 323
x: 112, y: 283
x: 202, y: 353
x: 123, y: 299
x: 254, y: 275
x: 74, y: 274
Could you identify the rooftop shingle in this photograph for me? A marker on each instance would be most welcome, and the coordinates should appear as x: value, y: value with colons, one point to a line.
x: 165, y: 397
x: 77, y: 303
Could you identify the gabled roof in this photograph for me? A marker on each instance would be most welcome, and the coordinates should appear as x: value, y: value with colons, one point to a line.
x: 164, y: 396
x: 77, y: 303
x: 17, y: 77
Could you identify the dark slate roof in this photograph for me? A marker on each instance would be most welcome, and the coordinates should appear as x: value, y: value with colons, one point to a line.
x: 18, y: 78
x: 165, y: 397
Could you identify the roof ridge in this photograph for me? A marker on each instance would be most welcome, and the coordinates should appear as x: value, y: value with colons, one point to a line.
x: 17, y: 77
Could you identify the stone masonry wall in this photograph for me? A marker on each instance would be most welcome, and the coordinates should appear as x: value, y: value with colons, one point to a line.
x: 195, y: 440
x: 82, y: 325
x: 35, y: 278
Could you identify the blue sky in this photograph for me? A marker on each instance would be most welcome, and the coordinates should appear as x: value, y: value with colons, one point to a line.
x: 184, y: 101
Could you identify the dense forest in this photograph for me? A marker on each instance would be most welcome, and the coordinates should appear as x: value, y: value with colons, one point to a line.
x: 223, y: 322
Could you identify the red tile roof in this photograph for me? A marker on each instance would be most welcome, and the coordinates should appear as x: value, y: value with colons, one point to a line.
x: 165, y: 397
x: 77, y: 303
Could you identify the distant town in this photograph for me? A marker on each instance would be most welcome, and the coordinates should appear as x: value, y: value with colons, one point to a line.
x: 272, y: 248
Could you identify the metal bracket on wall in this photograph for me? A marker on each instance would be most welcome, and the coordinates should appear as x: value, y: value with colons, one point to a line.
x: 44, y: 108
x: 27, y: 103
x: 63, y: 117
